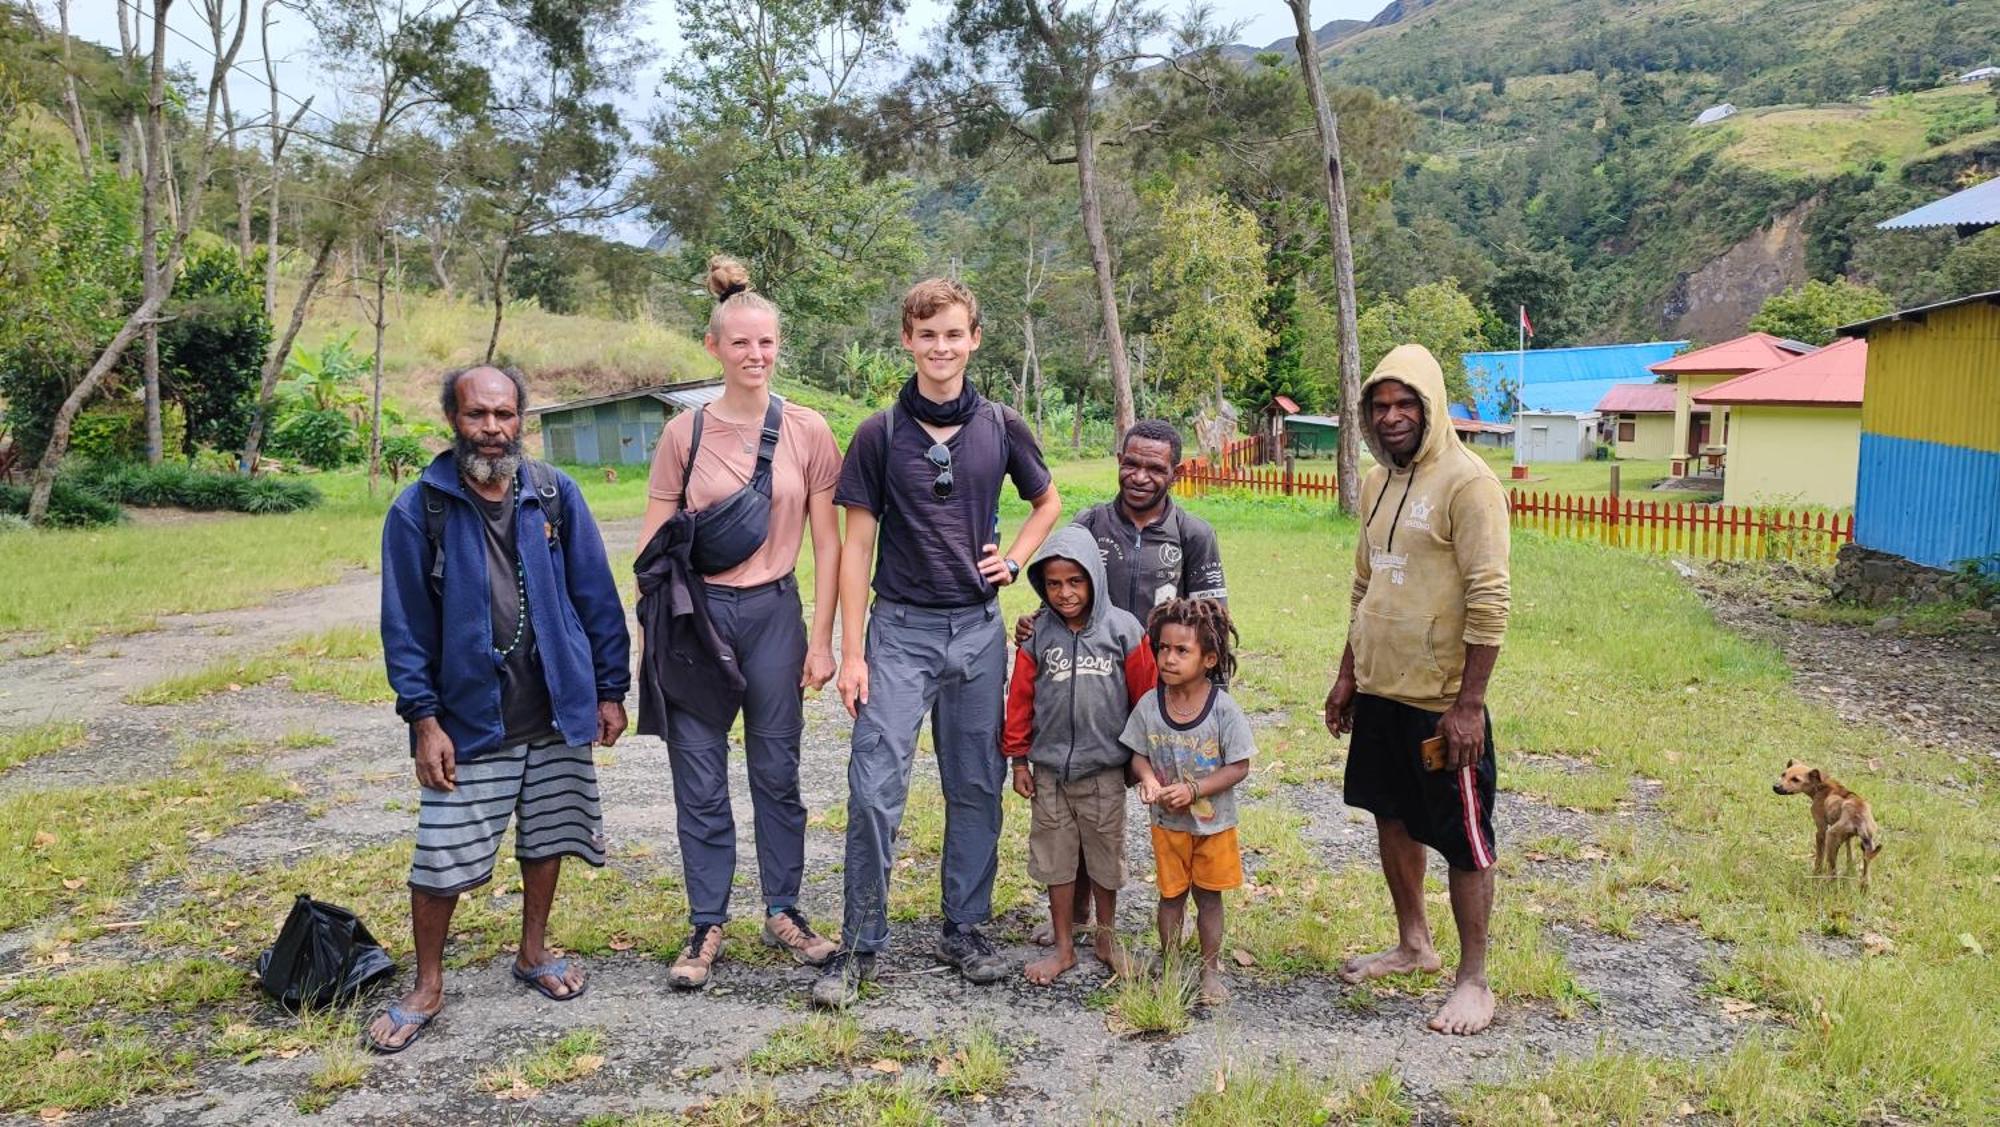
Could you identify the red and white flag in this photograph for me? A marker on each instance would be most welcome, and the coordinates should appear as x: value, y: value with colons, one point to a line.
x: 1527, y: 326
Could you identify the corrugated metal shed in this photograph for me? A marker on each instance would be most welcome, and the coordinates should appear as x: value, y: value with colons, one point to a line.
x: 1975, y: 207
x: 621, y: 426
x: 1929, y: 486
x: 1561, y: 379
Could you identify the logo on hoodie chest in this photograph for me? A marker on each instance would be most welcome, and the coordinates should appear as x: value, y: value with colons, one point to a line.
x: 1056, y: 664
x: 1418, y: 518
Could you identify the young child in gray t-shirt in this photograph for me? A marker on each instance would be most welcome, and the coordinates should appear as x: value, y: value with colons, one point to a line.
x: 1190, y: 746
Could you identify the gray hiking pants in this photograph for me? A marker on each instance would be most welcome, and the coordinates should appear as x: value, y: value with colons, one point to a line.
x: 951, y: 664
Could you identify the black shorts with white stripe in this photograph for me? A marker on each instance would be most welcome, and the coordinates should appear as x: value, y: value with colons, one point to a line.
x: 549, y: 793
x: 1450, y: 811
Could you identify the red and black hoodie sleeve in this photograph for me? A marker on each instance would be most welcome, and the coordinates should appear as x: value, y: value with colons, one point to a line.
x: 1017, y: 736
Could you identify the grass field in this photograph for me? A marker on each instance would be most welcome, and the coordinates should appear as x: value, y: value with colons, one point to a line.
x: 1611, y: 663
x: 1823, y: 141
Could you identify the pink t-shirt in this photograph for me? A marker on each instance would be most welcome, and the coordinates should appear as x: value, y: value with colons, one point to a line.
x: 807, y: 462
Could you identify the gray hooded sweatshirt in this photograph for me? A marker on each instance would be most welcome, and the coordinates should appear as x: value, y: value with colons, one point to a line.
x: 1073, y: 689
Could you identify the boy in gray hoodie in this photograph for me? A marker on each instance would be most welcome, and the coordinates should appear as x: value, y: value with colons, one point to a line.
x: 1075, y: 682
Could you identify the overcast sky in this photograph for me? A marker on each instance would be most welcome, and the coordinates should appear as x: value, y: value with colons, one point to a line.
x: 292, y: 43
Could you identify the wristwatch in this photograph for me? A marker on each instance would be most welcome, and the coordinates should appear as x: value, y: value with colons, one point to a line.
x: 1013, y: 569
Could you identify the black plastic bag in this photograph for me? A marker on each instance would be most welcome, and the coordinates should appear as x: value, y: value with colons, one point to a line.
x: 323, y: 955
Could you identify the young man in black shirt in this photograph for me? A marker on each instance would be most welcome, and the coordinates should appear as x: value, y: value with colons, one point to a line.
x: 924, y: 478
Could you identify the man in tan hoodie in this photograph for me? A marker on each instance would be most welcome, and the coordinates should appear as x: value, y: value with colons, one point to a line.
x: 1428, y: 613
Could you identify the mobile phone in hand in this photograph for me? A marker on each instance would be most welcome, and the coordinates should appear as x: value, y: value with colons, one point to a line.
x: 1432, y: 751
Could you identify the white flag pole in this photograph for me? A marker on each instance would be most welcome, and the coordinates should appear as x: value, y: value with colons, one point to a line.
x: 1520, y: 376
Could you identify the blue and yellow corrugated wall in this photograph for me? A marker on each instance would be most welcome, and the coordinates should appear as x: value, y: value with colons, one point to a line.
x: 1929, y: 482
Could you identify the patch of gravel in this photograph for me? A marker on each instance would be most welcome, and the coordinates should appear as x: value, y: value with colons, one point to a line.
x: 1937, y: 691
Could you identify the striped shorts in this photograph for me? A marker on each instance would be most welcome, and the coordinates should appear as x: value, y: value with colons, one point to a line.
x: 549, y: 790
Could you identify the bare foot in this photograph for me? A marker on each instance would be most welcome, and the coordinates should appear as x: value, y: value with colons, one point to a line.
x: 1051, y: 966
x: 1043, y: 935
x: 1468, y: 1010
x: 1113, y: 954
x: 1214, y: 991
x: 387, y: 1033
x: 1396, y: 960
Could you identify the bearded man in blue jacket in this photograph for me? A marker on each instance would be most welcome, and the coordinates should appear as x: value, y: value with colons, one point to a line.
x: 507, y: 648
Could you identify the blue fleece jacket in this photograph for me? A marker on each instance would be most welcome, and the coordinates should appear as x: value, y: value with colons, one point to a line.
x: 440, y: 653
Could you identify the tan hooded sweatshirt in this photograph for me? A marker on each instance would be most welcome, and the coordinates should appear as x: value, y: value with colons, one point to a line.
x: 1430, y: 571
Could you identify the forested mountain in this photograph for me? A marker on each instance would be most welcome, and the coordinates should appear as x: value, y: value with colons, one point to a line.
x: 1558, y: 133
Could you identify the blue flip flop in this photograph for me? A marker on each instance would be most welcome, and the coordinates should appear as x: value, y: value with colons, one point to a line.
x: 553, y: 969
x: 401, y: 1017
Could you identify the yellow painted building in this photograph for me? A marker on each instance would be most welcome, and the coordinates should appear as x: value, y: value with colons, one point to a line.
x: 1697, y: 422
x: 1640, y: 418
x: 1791, y: 456
x: 1652, y: 436
x: 1794, y: 429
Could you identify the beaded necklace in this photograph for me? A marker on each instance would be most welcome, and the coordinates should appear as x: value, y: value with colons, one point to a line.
x: 520, y: 584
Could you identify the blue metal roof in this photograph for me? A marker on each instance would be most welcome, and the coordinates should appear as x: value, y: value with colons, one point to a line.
x: 1977, y: 206
x: 1562, y: 379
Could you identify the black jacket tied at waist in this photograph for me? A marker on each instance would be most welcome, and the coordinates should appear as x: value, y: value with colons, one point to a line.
x: 686, y: 664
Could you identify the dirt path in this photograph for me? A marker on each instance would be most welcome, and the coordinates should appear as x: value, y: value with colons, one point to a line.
x: 1942, y: 691
x: 667, y: 1051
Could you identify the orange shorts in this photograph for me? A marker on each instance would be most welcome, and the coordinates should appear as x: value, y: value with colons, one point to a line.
x: 1210, y: 862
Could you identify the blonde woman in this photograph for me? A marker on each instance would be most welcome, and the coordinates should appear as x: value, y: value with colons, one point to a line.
x: 755, y: 609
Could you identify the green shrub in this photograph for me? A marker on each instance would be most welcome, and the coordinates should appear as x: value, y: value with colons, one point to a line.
x: 187, y: 487
x: 69, y: 506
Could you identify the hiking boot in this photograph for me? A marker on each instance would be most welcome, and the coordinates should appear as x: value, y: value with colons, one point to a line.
x: 691, y: 969
x: 970, y: 952
x: 839, y: 984
x: 787, y: 928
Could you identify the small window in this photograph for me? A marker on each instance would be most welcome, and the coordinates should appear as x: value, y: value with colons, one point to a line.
x: 1627, y: 431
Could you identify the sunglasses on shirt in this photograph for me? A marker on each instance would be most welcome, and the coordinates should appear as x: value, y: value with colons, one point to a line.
x: 939, y: 455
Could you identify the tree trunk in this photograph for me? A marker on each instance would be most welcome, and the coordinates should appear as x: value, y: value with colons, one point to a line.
x: 1100, y: 264
x: 499, y: 296
x: 1076, y: 426
x: 59, y: 429
x: 271, y: 225
x: 375, y: 402
x: 71, y: 104
x: 1335, y: 188
x: 274, y: 363
x: 156, y: 441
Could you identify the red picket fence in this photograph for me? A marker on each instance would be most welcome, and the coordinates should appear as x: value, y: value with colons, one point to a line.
x: 1723, y: 532
x: 1233, y: 470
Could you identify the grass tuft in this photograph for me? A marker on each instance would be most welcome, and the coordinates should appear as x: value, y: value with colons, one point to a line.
x: 572, y: 1057
x: 345, y: 663
x: 27, y: 744
x: 1289, y: 1095
x: 1159, y: 1001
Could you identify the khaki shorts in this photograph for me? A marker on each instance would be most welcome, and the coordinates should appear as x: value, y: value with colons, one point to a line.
x: 1082, y: 818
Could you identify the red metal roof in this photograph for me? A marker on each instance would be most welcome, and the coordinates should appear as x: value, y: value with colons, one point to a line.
x: 1479, y: 426
x: 1285, y: 401
x: 1752, y: 352
x: 1638, y: 399
x: 1831, y: 377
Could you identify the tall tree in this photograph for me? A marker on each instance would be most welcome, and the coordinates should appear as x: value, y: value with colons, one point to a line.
x: 754, y: 153
x: 550, y: 153
x: 1035, y: 70
x: 159, y: 258
x: 414, y: 57
x: 1210, y: 275
x: 1348, y: 463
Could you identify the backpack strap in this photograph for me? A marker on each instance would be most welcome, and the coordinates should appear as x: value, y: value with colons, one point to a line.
x: 543, y: 480
x: 767, y: 445
x: 694, y: 447
x: 434, y: 513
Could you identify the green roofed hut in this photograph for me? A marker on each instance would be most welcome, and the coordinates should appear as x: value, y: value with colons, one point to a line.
x: 618, y: 428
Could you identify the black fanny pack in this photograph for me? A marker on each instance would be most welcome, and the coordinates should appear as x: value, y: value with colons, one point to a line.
x: 727, y: 532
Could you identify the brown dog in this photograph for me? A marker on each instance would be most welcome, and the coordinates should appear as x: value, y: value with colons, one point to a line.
x: 1839, y: 816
